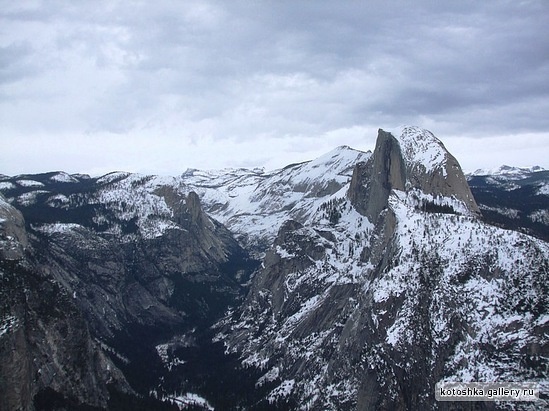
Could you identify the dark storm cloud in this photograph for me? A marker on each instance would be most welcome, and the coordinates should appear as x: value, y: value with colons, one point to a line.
x: 242, y: 71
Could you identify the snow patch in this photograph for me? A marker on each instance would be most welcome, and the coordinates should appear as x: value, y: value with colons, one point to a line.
x: 269, y: 376
x: 421, y: 147
x: 29, y: 183
x: 58, y: 200
x: 109, y: 178
x: 543, y: 189
x: 8, y: 324
x: 168, y: 358
x: 507, y: 212
x: 58, y: 227
x: 540, y: 216
x: 190, y: 400
x: 6, y: 185
x: 305, y: 309
x: 30, y: 198
x: 282, y: 391
x: 63, y: 178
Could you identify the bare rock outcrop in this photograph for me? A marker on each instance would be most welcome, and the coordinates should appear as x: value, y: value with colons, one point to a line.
x: 412, y: 160
x: 13, y: 237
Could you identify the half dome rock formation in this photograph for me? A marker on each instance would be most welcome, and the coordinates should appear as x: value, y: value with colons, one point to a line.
x: 432, y: 169
x: 415, y: 160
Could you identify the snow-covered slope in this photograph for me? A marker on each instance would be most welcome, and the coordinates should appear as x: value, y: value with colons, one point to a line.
x: 254, y: 204
x: 457, y: 300
x: 421, y: 148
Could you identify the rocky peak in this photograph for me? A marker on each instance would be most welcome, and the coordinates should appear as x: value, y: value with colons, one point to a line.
x: 432, y: 169
x: 415, y: 160
x: 193, y: 205
x: 373, y: 181
x: 187, y: 210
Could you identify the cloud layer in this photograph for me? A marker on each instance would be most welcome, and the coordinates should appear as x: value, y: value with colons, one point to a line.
x: 93, y: 86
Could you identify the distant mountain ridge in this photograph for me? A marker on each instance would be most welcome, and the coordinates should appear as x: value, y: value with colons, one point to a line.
x: 506, y: 170
x: 515, y: 198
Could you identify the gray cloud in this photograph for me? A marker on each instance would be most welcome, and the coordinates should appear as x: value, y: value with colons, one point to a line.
x: 193, y: 73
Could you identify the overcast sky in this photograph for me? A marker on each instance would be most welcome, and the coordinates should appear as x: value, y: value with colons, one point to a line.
x: 158, y: 87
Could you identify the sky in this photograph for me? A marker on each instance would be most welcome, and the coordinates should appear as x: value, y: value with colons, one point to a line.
x: 159, y: 87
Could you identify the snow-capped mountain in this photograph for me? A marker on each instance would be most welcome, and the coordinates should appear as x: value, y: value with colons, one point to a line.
x: 353, y: 281
x: 362, y: 314
x: 506, y: 170
x: 515, y: 198
x: 254, y: 204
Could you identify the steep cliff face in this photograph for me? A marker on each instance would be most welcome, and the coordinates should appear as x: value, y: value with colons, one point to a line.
x: 13, y: 236
x: 47, y: 353
x: 405, y: 288
x: 373, y: 181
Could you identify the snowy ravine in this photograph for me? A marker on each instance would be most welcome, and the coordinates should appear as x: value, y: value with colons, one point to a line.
x: 346, y: 314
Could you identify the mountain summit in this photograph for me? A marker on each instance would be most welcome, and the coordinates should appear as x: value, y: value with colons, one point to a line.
x: 415, y: 160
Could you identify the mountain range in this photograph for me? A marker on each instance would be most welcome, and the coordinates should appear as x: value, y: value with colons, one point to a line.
x: 355, y: 281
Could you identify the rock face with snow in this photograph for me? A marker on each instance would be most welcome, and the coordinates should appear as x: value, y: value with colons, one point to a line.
x: 373, y: 181
x: 103, y: 271
x: 414, y: 160
x: 45, y: 344
x: 432, y: 169
x: 407, y: 287
x: 374, y: 276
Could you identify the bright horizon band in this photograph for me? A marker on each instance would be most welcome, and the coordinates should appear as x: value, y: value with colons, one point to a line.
x: 487, y: 391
